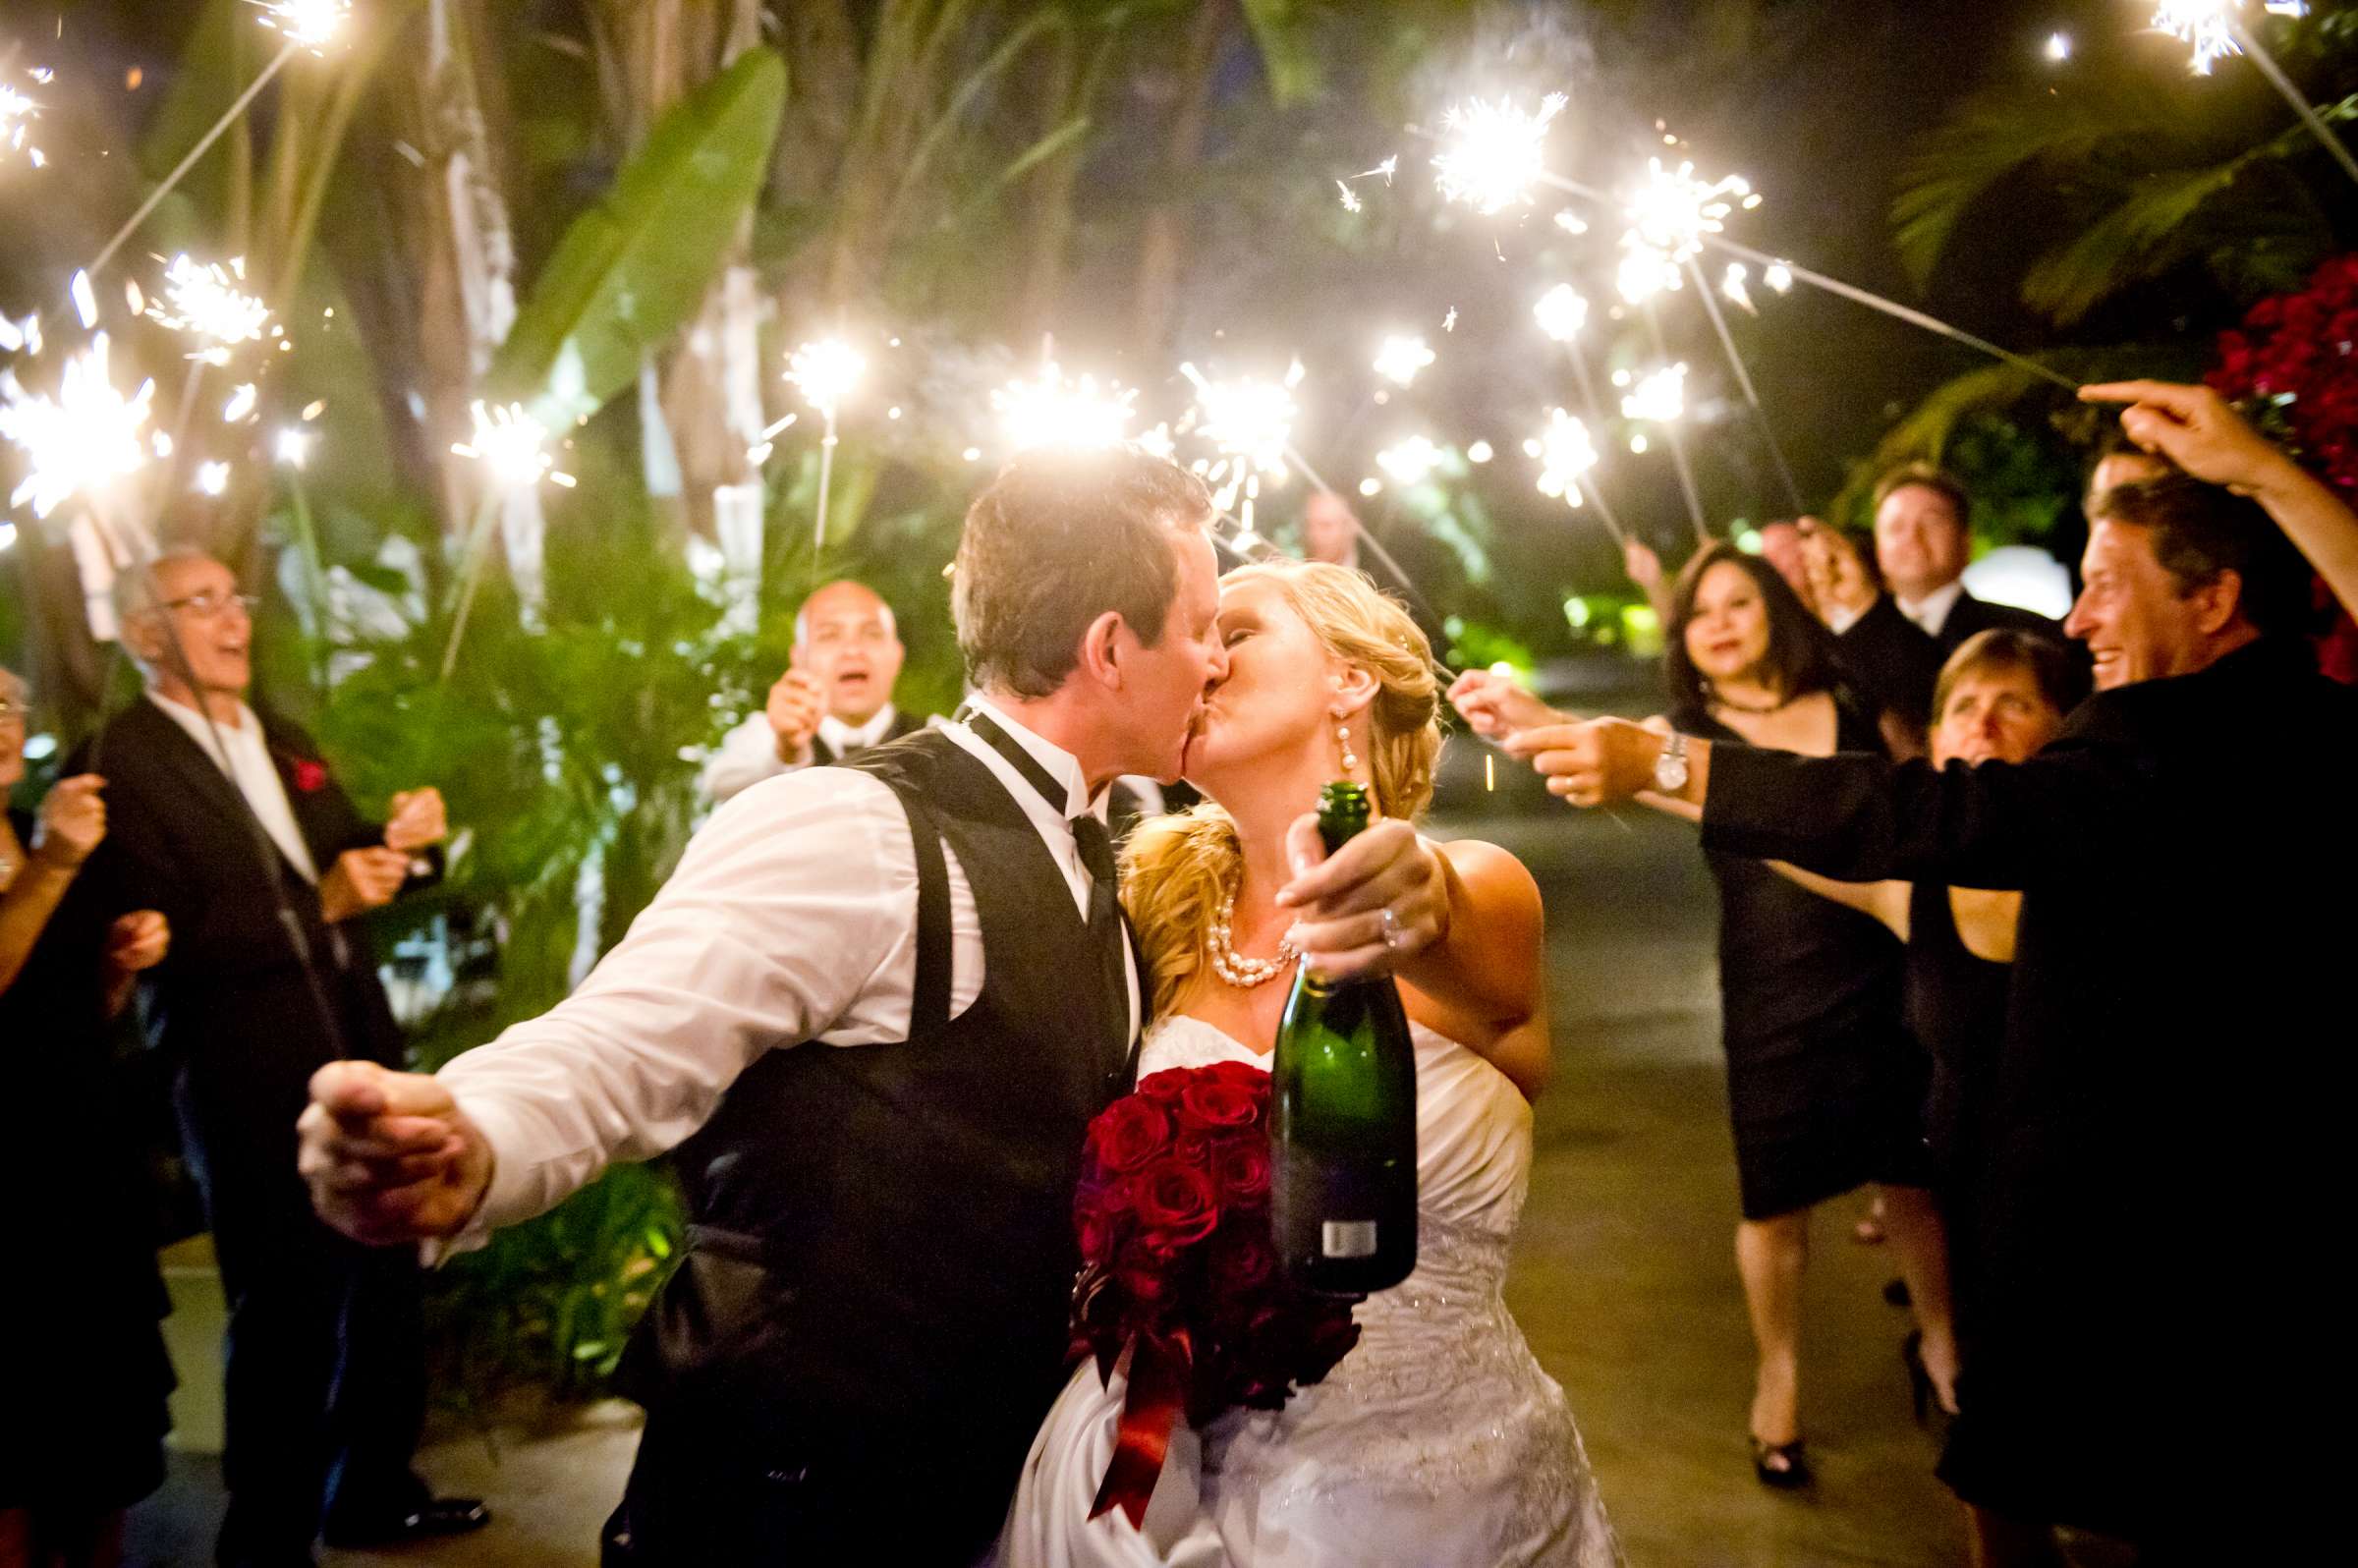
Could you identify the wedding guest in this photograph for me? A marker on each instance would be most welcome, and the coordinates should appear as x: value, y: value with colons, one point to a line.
x: 1824, y: 1083
x: 2002, y: 696
x: 2167, y: 1117
x: 834, y: 700
x: 84, y: 1382
x: 229, y: 823
x: 1923, y: 541
x: 1332, y: 533
x: 1885, y: 655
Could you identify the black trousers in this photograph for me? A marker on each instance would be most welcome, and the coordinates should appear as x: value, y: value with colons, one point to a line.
x: 326, y: 1377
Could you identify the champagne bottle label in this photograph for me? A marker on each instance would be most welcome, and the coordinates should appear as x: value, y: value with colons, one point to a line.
x: 1348, y: 1238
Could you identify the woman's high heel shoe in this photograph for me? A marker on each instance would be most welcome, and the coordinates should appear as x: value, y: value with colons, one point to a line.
x: 1780, y: 1465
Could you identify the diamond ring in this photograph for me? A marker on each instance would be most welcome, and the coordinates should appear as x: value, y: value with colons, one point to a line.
x: 1393, y: 936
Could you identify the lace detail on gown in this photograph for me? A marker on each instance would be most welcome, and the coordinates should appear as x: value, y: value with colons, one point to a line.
x: 1438, y: 1439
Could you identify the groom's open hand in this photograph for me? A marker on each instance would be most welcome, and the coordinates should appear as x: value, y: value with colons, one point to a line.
x: 1343, y: 899
x: 389, y: 1156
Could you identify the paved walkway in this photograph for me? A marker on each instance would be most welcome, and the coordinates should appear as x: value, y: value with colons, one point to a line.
x: 1624, y: 1280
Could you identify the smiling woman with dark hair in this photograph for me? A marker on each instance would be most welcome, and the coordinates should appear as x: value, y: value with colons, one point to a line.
x: 1823, y: 1082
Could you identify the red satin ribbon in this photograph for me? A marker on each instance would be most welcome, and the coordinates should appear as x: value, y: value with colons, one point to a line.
x: 1159, y: 1368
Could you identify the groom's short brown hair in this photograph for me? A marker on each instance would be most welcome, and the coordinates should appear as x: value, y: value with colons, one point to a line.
x: 1059, y: 539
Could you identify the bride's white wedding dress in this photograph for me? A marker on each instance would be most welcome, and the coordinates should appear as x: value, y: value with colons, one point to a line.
x: 1437, y: 1442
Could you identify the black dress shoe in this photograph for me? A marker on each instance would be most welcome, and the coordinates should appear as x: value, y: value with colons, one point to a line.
x: 1783, y: 1465
x: 436, y: 1516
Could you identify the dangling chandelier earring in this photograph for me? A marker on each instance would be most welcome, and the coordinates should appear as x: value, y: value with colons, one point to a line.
x: 1342, y: 741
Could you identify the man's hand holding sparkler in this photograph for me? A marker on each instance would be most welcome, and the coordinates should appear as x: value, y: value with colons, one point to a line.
x: 389, y: 1156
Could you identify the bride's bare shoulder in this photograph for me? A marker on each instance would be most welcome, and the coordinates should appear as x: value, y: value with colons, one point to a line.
x: 1492, y: 876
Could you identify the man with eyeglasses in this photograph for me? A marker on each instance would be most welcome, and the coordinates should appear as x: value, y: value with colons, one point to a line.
x: 834, y: 700
x: 232, y: 824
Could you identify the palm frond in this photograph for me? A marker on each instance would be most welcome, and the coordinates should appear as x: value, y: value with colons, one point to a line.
x: 1994, y: 137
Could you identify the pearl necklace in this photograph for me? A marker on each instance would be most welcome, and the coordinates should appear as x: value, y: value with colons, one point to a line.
x: 1245, y: 973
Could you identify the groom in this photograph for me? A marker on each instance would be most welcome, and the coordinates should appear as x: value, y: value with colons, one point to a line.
x: 873, y: 1011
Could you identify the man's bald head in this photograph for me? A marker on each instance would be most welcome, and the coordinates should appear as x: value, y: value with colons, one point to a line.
x: 845, y: 638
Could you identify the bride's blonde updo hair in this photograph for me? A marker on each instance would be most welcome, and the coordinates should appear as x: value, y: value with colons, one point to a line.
x: 1178, y: 869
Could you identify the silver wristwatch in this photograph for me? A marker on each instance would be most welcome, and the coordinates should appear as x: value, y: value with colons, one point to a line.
x: 1670, y: 766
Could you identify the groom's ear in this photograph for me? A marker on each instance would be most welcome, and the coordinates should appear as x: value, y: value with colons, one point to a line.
x: 1101, y: 650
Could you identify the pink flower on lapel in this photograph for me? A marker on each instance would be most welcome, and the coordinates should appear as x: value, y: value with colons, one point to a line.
x: 310, y: 777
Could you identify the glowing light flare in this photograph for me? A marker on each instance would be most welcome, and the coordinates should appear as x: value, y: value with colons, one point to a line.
x: 1351, y: 201
x: 1778, y: 277
x: 512, y: 445
x: 80, y: 441
x: 212, y: 478
x: 1248, y: 420
x: 1561, y: 313
x: 1410, y: 462
x: 294, y: 447
x: 1401, y: 357
x: 85, y: 300
x: 1495, y: 152
x: 1669, y: 215
x: 306, y: 24
x: 1661, y: 397
x: 1732, y: 285
x: 824, y: 373
x: 2209, y: 25
x: 1050, y: 411
x: 2058, y: 46
x: 1478, y: 452
x: 241, y: 404
x: 1565, y: 453
x: 17, y: 114
x: 204, y: 299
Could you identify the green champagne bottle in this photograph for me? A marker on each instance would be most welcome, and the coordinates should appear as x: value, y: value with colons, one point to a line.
x: 1343, y: 1117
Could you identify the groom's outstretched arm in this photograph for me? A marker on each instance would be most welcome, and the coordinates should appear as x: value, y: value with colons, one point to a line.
x: 792, y: 917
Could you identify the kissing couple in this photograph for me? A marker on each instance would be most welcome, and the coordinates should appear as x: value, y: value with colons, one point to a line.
x: 873, y: 1012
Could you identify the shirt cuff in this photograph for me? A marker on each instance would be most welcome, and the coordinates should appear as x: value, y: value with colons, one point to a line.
x: 509, y: 1198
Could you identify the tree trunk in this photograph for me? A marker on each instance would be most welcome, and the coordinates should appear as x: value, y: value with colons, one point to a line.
x: 1162, y: 248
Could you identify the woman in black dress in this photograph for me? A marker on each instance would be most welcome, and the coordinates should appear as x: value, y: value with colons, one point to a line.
x: 1825, y: 1086
x: 84, y: 1375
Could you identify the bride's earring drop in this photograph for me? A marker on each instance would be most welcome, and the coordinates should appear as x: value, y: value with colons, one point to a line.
x: 1342, y: 742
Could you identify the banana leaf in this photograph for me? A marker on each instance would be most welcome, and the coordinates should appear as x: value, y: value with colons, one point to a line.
x: 634, y: 269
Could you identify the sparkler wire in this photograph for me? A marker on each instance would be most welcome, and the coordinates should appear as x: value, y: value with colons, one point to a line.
x: 1595, y: 407
x: 1367, y: 538
x: 1752, y: 395
x: 228, y: 118
x: 1678, y: 444
x: 2295, y: 96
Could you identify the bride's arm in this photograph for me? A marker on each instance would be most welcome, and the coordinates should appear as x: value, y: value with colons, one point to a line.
x: 1488, y: 970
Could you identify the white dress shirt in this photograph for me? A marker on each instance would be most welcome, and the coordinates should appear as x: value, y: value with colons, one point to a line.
x: 791, y: 918
x: 248, y: 766
x: 749, y: 753
x: 1932, y: 611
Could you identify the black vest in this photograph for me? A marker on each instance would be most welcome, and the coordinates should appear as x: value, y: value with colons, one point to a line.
x: 881, y: 1239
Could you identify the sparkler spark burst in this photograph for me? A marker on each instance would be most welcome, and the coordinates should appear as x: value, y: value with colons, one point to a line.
x: 1497, y: 152
x: 1778, y: 277
x: 513, y: 445
x: 1668, y: 217
x: 307, y: 24
x: 1050, y: 411
x: 1249, y: 420
x: 1410, y: 462
x: 1401, y: 357
x: 1565, y: 453
x: 1351, y: 202
x: 17, y: 114
x: 2209, y: 25
x: 1661, y: 397
x: 1734, y: 286
x: 1561, y: 313
x: 204, y: 300
x: 81, y: 440
x: 824, y: 374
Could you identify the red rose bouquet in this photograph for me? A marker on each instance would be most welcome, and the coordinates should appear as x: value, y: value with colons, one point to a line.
x: 2292, y: 370
x: 1177, y: 1265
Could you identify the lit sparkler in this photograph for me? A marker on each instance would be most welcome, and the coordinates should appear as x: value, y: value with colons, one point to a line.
x: 512, y: 446
x: 1049, y: 410
x: 1250, y: 423
x: 1661, y: 397
x: 17, y: 114
x: 206, y: 301
x: 81, y: 441
x: 1732, y: 285
x: 1351, y: 201
x: 1410, y: 462
x: 1778, y: 276
x: 1561, y: 313
x: 1401, y: 357
x: 824, y: 374
x: 1670, y: 216
x: 1565, y: 453
x: 2212, y: 27
x: 1494, y: 153
x: 306, y: 24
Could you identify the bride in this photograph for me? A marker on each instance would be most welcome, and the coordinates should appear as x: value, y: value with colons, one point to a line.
x: 1438, y: 1439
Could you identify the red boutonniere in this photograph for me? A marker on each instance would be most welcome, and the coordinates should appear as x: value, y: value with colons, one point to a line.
x: 310, y: 777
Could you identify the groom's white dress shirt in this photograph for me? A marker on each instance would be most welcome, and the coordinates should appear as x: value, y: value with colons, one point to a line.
x: 792, y: 918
